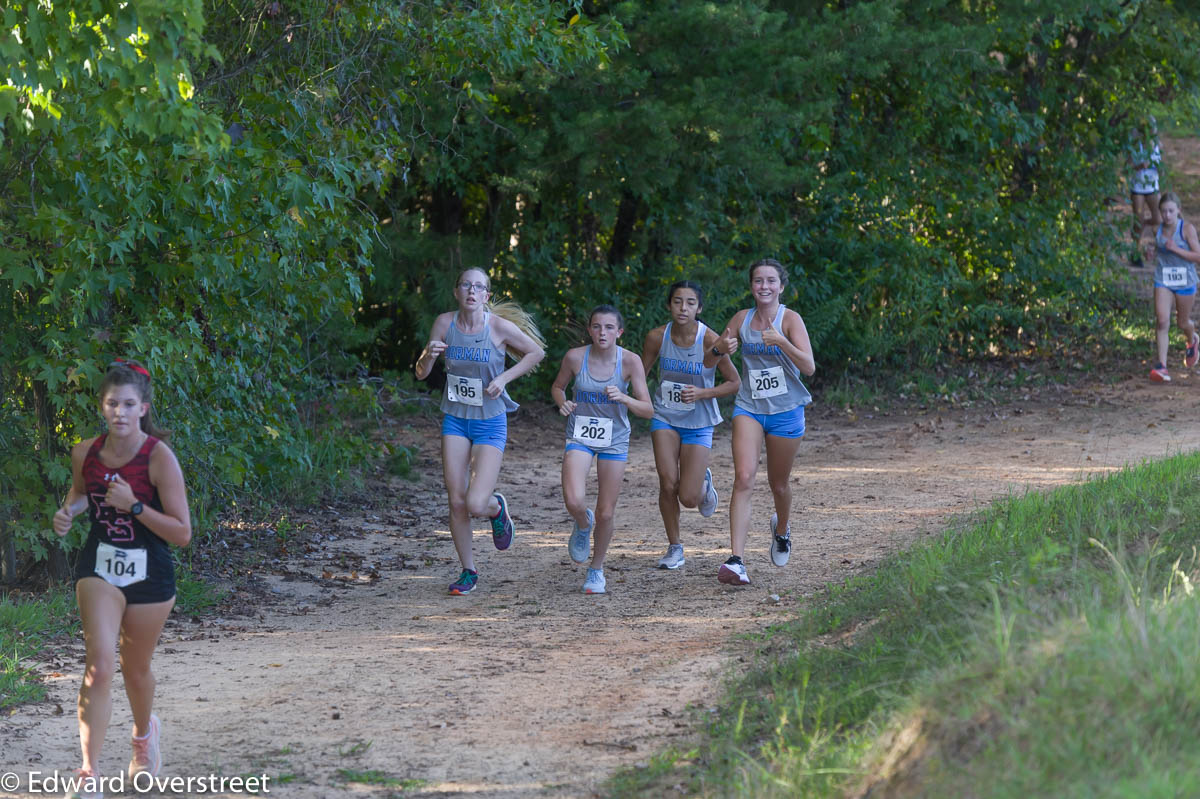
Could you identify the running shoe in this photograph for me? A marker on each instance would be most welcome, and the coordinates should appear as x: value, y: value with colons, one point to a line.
x: 465, y: 583
x: 580, y: 542
x: 146, y: 753
x: 1192, y: 354
x: 502, y: 526
x: 1159, y: 374
x: 709, y: 505
x: 733, y: 572
x: 79, y: 784
x: 674, y: 557
x: 595, y: 582
x: 781, y: 545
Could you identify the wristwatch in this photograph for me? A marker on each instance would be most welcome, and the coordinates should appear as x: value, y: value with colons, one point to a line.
x: 716, y: 352
x: 136, y: 509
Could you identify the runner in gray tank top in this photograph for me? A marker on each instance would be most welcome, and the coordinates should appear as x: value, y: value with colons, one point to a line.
x: 473, y: 362
x: 685, y: 411
x: 597, y: 425
x: 1174, y: 285
x: 475, y: 401
x: 769, y: 409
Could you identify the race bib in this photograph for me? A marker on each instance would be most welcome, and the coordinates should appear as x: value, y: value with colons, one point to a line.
x: 467, y: 390
x: 672, y: 396
x: 767, y: 382
x: 120, y: 567
x: 1174, y: 276
x: 593, y: 432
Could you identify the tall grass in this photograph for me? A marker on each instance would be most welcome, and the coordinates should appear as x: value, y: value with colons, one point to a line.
x: 26, y: 625
x: 1048, y: 648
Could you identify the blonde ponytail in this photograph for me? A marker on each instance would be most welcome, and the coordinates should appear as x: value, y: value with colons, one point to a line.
x: 512, y: 312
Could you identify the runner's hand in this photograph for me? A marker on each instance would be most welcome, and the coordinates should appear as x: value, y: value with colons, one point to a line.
x: 435, y: 347
x: 495, y: 388
x: 773, y: 338
x: 615, y: 394
x: 688, y: 394
x: 120, y: 494
x: 567, y: 408
x: 727, y: 346
x: 62, y: 521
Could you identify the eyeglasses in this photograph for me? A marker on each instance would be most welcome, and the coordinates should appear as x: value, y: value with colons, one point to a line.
x: 468, y: 287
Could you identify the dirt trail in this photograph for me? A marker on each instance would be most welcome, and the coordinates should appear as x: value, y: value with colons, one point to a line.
x: 527, y: 688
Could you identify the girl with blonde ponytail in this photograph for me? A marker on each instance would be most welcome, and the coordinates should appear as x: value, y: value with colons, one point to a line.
x: 474, y: 339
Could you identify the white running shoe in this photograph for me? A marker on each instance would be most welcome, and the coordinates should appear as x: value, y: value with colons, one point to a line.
x: 708, y: 506
x: 147, y: 756
x: 674, y: 557
x: 733, y: 572
x: 595, y: 582
x: 580, y: 542
x: 781, y: 545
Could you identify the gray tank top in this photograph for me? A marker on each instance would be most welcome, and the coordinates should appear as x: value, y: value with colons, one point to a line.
x: 472, y: 361
x: 677, y: 367
x: 1171, y: 270
x: 770, y: 381
x: 597, y: 422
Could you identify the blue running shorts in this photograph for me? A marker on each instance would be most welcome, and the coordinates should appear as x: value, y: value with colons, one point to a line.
x: 789, y: 424
x: 492, y: 432
x: 700, y: 436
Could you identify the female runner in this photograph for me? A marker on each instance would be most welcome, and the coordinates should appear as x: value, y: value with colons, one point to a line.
x: 473, y: 340
x: 1174, y: 285
x: 130, y: 483
x: 769, y: 407
x: 685, y: 411
x: 598, y: 425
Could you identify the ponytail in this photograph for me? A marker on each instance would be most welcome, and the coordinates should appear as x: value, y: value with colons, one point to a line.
x: 512, y: 312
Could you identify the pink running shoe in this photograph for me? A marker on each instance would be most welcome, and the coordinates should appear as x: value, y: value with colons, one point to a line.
x: 1159, y: 374
x: 146, y: 754
x: 1192, y: 353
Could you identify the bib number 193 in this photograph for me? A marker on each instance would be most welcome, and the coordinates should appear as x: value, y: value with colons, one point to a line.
x: 1174, y: 276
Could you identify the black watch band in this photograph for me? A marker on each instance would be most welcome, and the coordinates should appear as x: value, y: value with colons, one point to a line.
x: 136, y: 509
x: 716, y: 352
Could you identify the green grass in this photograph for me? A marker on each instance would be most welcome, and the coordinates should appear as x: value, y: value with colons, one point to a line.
x: 26, y: 626
x: 194, y: 596
x: 1049, y: 647
x: 376, y: 777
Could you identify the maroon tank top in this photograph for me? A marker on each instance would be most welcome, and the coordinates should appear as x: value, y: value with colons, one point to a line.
x: 109, y: 524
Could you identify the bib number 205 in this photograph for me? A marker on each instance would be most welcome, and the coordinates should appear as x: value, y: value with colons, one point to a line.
x: 766, y: 383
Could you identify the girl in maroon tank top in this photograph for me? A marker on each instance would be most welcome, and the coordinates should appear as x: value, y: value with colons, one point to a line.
x: 129, y: 482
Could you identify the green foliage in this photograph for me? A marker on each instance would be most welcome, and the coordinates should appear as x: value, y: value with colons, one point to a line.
x: 26, y: 628
x: 189, y: 195
x: 1048, y: 647
x: 936, y: 174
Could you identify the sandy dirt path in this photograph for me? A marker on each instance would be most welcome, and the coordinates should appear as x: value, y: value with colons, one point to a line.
x: 527, y: 688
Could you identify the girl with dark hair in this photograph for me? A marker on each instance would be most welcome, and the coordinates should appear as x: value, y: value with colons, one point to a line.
x: 685, y: 411
x: 769, y: 409
x: 597, y: 426
x: 473, y: 340
x: 1174, y: 285
x: 129, y: 482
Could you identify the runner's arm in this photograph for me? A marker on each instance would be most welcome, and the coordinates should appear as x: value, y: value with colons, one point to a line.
x: 568, y: 369
x: 732, y: 382
x: 434, y: 348
x: 514, y: 339
x: 651, y: 347
x: 639, y: 403
x: 727, y: 344
x: 76, y: 500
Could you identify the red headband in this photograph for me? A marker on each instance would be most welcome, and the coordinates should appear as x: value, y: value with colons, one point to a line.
x: 141, y: 370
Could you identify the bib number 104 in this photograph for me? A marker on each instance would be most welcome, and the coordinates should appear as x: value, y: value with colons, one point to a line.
x: 120, y: 567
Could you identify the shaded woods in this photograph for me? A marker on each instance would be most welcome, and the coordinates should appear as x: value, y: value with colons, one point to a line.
x: 264, y: 200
